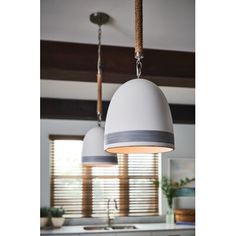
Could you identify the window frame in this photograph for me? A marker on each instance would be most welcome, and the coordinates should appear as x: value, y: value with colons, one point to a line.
x: 87, y: 186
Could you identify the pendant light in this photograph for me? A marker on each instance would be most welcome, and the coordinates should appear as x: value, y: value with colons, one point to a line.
x: 139, y: 118
x: 93, y: 153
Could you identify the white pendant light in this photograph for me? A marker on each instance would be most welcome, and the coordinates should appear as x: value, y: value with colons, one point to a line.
x: 93, y: 153
x: 139, y: 118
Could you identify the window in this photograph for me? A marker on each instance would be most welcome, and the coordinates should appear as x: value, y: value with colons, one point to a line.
x: 84, y: 191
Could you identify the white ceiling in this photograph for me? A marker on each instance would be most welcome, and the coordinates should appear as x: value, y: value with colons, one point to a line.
x: 168, y: 24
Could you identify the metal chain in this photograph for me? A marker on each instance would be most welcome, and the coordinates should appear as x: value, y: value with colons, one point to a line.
x: 138, y: 67
x: 99, y: 121
x: 99, y: 71
x: 99, y: 49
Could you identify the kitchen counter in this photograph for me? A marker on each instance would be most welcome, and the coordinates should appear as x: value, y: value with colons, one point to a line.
x: 66, y: 230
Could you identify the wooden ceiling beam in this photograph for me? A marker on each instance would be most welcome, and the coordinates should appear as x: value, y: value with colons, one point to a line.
x: 78, y: 62
x: 71, y: 109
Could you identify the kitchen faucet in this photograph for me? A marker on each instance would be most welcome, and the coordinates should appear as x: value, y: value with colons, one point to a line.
x: 109, y: 219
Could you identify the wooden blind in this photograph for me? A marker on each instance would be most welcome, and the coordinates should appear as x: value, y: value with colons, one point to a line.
x: 84, y: 191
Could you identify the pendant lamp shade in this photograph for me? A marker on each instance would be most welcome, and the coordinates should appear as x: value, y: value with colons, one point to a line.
x: 139, y: 120
x: 93, y: 153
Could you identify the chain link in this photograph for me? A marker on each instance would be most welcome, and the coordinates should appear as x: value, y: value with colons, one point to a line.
x: 138, y: 67
x: 99, y: 116
x: 99, y: 49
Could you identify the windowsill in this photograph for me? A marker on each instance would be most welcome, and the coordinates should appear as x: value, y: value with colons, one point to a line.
x: 117, y: 220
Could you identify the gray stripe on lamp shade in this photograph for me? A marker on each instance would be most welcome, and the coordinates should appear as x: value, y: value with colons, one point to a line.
x: 100, y: 159
x: 140, y: 136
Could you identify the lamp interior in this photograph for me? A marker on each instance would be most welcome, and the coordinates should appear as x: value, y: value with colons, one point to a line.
x: 138, y: 149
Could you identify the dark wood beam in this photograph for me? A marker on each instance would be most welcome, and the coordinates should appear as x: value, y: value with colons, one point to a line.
x: 78, y: 62
x: 70, y: 109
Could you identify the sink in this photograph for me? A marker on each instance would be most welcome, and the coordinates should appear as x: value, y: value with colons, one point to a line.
x: 96, y: 228
x: 113, y: 227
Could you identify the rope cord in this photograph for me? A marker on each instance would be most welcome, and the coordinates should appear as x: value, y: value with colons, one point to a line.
x: 138, y: 27
x: 138, y: 36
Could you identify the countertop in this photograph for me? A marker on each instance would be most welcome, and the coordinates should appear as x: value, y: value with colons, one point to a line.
x: 140, y: 227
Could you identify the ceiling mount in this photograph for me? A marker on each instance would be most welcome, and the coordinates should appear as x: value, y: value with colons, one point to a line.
x: 99, y: 18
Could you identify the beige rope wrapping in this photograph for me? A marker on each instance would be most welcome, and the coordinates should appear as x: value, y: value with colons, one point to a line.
x: 138, y: 27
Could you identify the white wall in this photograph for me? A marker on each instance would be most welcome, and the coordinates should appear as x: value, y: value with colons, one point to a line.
x: 184, y: 142
x: 184, y: 148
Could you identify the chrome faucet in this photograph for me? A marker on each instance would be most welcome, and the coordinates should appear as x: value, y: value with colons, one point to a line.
x: 109, y: 219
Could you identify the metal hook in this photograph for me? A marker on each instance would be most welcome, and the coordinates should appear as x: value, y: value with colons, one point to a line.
x: 138, y: 67
x: 99, y: 115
